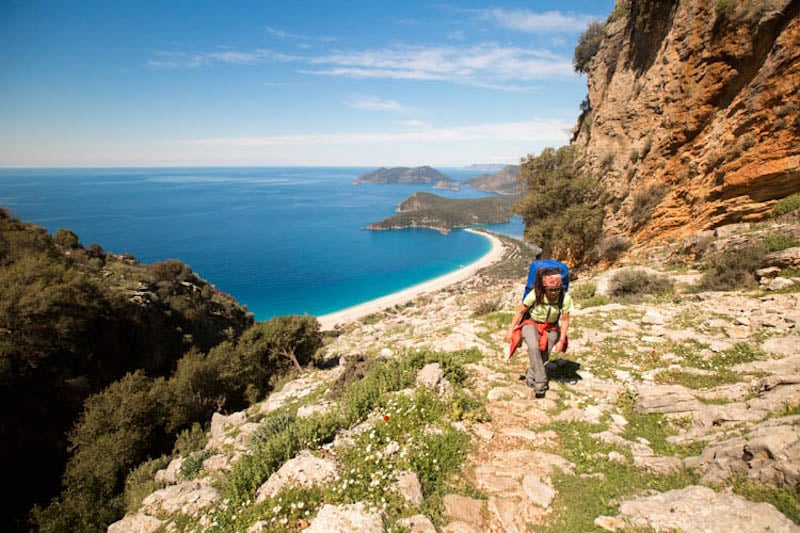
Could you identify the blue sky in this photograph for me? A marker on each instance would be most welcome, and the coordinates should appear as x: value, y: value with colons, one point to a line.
x: 331, y: 83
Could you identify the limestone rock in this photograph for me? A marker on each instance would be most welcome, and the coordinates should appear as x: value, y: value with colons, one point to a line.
x: 138, y: 523
x: 169, y: 475
x: 353, y: 518
x: 187, y: 498
x: 701, y: 510
x: 432, y: 375
x: 769, y: 454
x: 666, y: 399
x: 410, y: 488
x: 464, y: 509
x: 418, y: 524
x: 304, y: 470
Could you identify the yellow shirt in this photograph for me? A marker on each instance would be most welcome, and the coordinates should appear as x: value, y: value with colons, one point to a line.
x: 547, y: 312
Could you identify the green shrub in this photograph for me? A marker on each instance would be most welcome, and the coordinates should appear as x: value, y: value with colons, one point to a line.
x: 645, y: 202
x: 778, y: 242
x: 735, y: 268
x: 194, y: 463
x: 487, y: 305
x: 190, y: 440
x: 786, y: 205
x: 140, y: 483
x: 66, y: 239
x: 632, y: 284
x: 611, y: 248
x: 562, y: 210
x: 115, y: 433
x: 588, y: 46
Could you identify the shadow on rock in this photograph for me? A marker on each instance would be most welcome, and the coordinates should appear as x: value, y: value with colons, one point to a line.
x: 563, y: 370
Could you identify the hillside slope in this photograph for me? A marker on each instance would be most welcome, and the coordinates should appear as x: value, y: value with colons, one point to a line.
x: 668, y: 412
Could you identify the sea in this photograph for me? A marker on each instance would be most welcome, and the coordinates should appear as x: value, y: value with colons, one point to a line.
x: 281, y: 240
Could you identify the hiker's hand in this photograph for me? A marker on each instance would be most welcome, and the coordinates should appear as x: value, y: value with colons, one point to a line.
x: 508, y: 337
x: 559, y: 347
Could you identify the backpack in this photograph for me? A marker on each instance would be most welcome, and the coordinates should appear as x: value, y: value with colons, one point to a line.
x: 546, y: 263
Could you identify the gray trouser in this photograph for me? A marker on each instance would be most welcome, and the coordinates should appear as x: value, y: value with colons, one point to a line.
x: 536, y: 375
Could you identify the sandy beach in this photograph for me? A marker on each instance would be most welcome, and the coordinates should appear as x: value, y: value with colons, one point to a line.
x: 353, y: 313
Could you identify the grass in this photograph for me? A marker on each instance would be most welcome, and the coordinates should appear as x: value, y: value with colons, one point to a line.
x: 581, y: 499
x: 408, y: 433
x: 785, y: 499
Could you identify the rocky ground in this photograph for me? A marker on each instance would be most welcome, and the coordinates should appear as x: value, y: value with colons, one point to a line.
x: 680, y: 413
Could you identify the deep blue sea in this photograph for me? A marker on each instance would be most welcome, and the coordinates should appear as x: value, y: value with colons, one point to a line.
x: 280, y: 240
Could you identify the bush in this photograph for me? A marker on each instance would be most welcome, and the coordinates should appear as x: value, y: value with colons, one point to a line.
x: 115, y: 433
x: 611, y: 248
x: 66, y: 239
x: 632, y: 284
x: 588, y: 46
x: 786, y: 205
x: 731, y: 269
x: 487, y: 305
x: 644, y: 203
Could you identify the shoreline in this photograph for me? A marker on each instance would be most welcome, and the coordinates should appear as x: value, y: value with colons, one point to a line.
x: 330, y: 320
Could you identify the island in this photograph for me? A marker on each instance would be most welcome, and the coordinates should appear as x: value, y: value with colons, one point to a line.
x: 426, y: 210
x: 423, y: 174
x: 504, y: 181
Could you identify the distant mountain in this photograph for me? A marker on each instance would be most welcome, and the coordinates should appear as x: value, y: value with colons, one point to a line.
x: 485, y: 167
x: 424, y: 174
x: 503, y: 182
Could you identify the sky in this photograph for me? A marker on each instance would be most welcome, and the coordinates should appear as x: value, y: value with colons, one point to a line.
x: 287, y: 83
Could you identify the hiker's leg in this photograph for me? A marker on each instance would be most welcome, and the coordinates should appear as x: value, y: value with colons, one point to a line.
x: 536, y: 375
x: 552, y: 338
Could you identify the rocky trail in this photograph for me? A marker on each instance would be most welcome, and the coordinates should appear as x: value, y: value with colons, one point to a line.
x: 673, y: 415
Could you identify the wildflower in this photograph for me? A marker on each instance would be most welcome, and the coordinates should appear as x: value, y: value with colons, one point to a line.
x: 385, y: 418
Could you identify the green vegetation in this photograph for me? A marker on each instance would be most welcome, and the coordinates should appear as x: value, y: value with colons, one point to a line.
x: 588, y: 46
x: 561, y: 209
x: 585, y: 295
x: 632, y: 285
x: 399, y: 439
x: 138, y: 416
x: 790, y: 204
x: 72, y: 321
x: 597, y: 483
x: 116, y: 363
x: 736, y: 267
x: 426, y: 210
x: 645, y: 202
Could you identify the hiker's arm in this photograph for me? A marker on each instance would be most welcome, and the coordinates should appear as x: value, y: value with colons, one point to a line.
x: 516, y: 320
x: 562, y: 338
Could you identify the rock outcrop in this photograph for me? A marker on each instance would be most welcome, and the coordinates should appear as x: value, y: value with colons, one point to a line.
x: 692, y: 118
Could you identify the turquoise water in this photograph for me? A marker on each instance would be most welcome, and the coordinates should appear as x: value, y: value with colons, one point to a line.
x: 280, y: 240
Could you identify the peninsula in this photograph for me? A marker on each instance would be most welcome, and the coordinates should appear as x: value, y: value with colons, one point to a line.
x: 426, y: 210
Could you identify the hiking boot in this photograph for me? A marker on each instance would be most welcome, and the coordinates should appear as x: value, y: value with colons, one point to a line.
x: 539, y: 394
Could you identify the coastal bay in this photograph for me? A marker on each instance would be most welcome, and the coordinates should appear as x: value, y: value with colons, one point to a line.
x: 330, y: 320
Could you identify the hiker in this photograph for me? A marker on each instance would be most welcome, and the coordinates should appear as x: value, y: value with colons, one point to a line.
x: 543, y: 319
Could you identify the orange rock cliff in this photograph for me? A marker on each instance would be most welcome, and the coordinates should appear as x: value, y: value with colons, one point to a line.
x: 693, y: 106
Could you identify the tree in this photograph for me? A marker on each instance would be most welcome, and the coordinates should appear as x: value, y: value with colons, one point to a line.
x: 588, y: 46
x: 561, y: 209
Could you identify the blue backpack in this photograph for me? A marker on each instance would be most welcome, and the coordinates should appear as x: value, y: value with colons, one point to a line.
x: 539, y: 264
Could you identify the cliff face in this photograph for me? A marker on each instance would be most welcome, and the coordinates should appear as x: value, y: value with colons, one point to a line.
x: 693, y: 116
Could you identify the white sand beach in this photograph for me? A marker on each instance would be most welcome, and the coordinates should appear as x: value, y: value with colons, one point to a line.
x: 353, y: 313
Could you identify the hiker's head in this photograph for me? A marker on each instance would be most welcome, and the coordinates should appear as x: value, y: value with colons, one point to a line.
x: 548, y: 281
